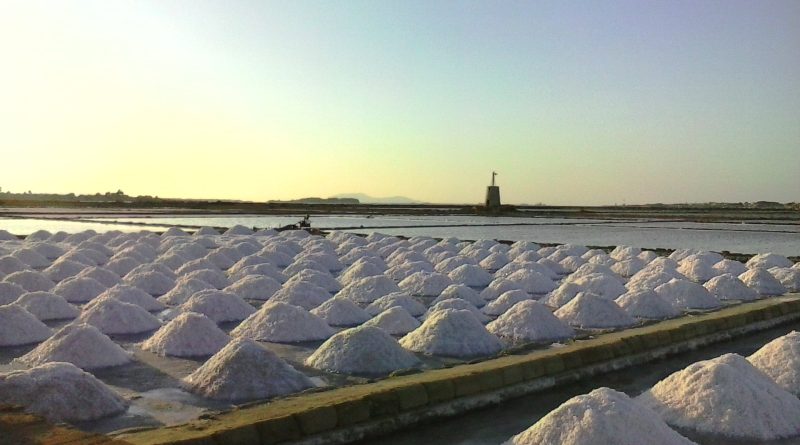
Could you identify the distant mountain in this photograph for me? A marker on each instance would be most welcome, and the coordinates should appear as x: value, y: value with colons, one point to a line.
x: 366, y: 199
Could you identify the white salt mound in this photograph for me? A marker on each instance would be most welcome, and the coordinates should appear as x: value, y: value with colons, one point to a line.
x: 647, y: 304
x: 426, y: 284
x: 604, y: 285
x: 768, y: 260
x: 470, y: 275
x: 780, y: 360
x: 363, y: 350
x: 340, y: 311
x: 603, y: 416
x: 112, y: 316
x: 532, y: 282
x: 563, y: 294
x: 697, y: 269
x: 459, y: 304
x: 30, y: 280
x: 153, y: 282
x: 63, y: 269
x: 106, y: 277
x: 505, y: 302
x: 590, y: 311
x: 10, y: 264
x: 242, y: 371
x: 254, y: 287
x: 761, y: 281
x: 47, y: 306
x: 321, y: 279
x: 395, y: 321
x: 79, y: 289
x: 183, y: 290
x: 369, y: 289
x: 20, y: 327
x: 397, y: 299
x: 728, y: 287
x: 530, y: 321
x: 60, y: 392
x: 685, y: 294
x: 789, y: 277
x: 452, y: 333
x: 132, y: 295
x: 188, y: 335
x: 80, y: 344
x: 9, y: 292
x: 219, y: 306
x: 213, y: 277
x: 726, y: 396
x: 303, y: 294
x: 463, y: 292
x: 497, y: 287
x: 283, y: 323
x: 732, y: 267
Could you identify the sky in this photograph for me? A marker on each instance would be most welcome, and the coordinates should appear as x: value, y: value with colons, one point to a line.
x: 571, y: 102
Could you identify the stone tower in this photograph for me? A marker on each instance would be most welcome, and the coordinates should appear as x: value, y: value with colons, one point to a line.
x: 493, y: 196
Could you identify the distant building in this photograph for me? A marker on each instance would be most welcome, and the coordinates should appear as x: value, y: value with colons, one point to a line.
x: 493, y: 196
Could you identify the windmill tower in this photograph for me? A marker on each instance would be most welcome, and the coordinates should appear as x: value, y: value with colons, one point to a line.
x: 493, y: 196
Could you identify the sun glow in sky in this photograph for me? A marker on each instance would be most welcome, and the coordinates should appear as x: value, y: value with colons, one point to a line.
x: 590, y: 102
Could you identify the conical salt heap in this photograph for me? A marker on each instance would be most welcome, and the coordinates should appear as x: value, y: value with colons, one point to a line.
x: 340, y: 311
x: 401, y: 299
x: 470, y: 275
x: 603, y: 416
x: 530, y: 321
x: 47, y: 306
x: 283, y: 323
x: 364, y: 350
x: 254, y: 287
x: 463, y: 292
x: 395, y: 321
x: 20, y: 327
x: 112, y: 316
x: 590, y: 311
x: 188, y: 335
x: 30, y: 280
x: 452, y: 333
x: 183, y: 290
x: 426, y: 284
x: 219, y: 306
x: 685, y: 294
x: 303, y: 294
x: 532, y: 281
x: 728, y: 287
x: 505, y: 302
x: 646, y: 304
x: 153, y: 282
x: 369, y: 289
x: 80, y: 344
x: 132, y: 295
x: 457, y: 303
x: 79, y: 289
x: 106, y: 277
x: 9, y: 292
x: 243, y: 371
x: 761, y: 281
x: 780, y: 360
x: 726, y: 396
x: 60, y: 392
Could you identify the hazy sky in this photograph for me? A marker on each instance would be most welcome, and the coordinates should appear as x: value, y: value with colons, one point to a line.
x: 572, y: 102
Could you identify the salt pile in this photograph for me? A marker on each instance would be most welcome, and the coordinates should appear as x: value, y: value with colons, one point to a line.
x: 395, y: 321
x: 183, y: 290
x: 553, y: 266
x: 768, y: 260
x: 369, y: 289
x: 243, y: 371
x: 758, y: 279
x: 463, y: 292
x: 505, y: 302
x: 497, y: 287
x: 494, y: 261
x: 726, y: 396
x: 219, y: 259
x: 264, y: 269
x: 590, y: 268
x: 732, y: 267
x: 399, y: 299
x: 651, y: 278
x: 80, y: 344
x: 212, y: 277
x: 10, y: 264
x: 132, y: 295
x: 9, y: 292
x: 62, y: 269
x: 301, y: 264
x: 563, y: 294
x: 106, y: 277
x: 590, y: 311
x: 532, y: 282
x: 628, y: 268
x: 31, y: 258
x: 30, y: 280
x: 340, y: 311
x: 647, y: 304
x: 321, y: 279
x: 122, y: 265
x: 603, y: 416
x: 153, y: 282
x: 219, y: 306
x: 205, y: 230
x: 470, y: 275
x: 621, y: 253
x: 79, y: 289
x: 7, y: 236
x: 198, y: 264
x: 112, y: 316
x: 60, y: 392
x: 360, y: 269
x: 606, y: 286
x: 20, y: 327
x: 780, y: 360
x: 426, y: 284
x: 283, y: 323
x: 47, y: 306
x: 728, y: 287
x: 402, y: 271
x: 697, y: 269
x: 364, y: 350
x: 303, y: 294
x: 572, y: 263
x: 530, y: 321
x: 254, y: 287
x: 789, y: 277
x: 685, y: 294
x: 452, y: 333
x: 188, y: 335
x: 174, y: 231
x: 459, y: 304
